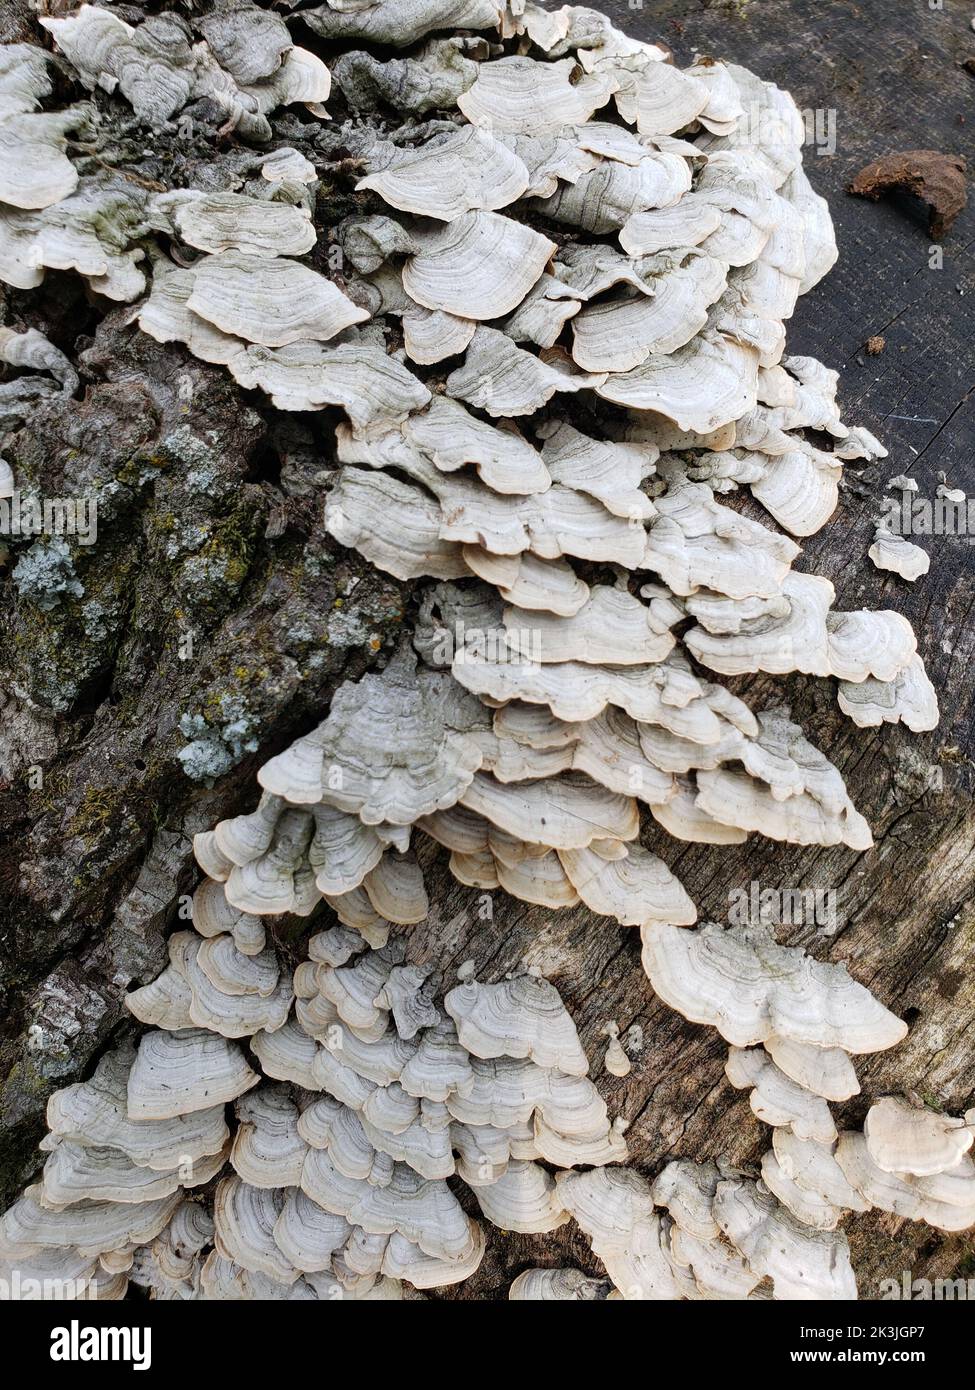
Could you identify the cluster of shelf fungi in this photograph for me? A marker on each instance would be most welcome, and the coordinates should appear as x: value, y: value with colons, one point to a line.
x: 558, y: 341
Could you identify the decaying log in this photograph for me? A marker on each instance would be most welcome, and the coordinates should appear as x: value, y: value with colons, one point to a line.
x: 218, y: 612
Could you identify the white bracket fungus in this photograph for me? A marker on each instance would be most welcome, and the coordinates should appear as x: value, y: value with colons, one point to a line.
x: 216, y: 222
x: 802, y: 1263
x: 450, y: 176
x: 909, y: 698
x: 577, y: 544
x: 556, y: 1286
x: 339, y: 1166
x: 270, y: 301
x: 616, y: 1062
x: 479, y: 266
x: 523, y: 1017
x: 522, y: 96
x: 944, y: 1200
x: 749, y: 988
x: 778, y: 1100
x: 922, y: 1143
x: 175, y: 1073
x: 34, y: 169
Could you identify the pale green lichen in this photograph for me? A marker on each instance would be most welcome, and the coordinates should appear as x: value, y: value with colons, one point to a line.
x: 97, y: 621
x: 218, y: 743
x: 45, y: 574
x: 348, y: 628
x: 205, y: 759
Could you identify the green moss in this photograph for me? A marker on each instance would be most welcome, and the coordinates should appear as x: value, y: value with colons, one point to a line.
x: 67, y: 647
x: 234, y: 553
x: 27, y: 1080
x: 220, y: 565
x: 96, y: 810
x: 138, y: 469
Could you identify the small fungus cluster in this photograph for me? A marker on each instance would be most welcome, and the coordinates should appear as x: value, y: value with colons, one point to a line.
x: 368, y: 1097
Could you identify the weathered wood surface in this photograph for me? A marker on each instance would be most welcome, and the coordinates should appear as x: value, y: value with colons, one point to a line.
x: 74, y: 928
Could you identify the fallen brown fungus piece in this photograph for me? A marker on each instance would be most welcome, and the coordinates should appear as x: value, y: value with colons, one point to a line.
x: 938, y: 180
